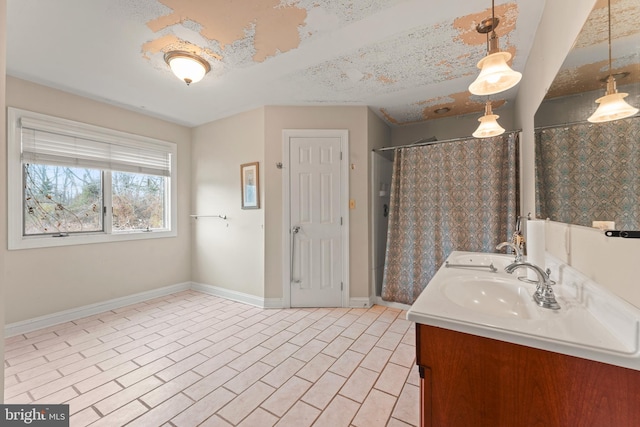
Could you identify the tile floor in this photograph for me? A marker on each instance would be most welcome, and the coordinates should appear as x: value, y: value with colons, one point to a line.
x: 192, y: 359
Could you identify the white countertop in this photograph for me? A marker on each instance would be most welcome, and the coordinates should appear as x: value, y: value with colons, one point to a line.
x: 592, y: 323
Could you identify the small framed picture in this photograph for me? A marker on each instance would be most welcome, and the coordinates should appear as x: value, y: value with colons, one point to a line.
x: 250, y: 181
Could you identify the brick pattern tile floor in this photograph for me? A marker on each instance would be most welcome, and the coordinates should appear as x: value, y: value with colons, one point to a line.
x: 192, y: 359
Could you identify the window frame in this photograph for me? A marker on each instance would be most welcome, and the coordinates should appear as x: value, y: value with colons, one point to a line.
x: 15, y: 191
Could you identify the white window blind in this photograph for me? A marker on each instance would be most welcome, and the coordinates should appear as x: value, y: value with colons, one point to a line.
x: 49, y: 143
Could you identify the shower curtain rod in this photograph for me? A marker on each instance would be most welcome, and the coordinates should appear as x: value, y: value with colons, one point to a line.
x: 418, y: 143
x: 579, y: 122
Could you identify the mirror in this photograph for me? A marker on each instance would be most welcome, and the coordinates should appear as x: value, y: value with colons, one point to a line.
x: 590, y: 172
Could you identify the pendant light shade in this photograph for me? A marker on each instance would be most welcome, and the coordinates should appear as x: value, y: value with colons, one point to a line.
x: 186, y: 66
x: 488, y: 124
x: 612, y: 105
x: 495, y: 74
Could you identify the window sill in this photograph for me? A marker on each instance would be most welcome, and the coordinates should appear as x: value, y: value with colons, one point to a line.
x: 20, y: 242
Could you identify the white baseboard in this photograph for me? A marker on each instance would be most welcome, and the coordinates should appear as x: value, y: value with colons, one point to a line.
x: 273, y: 303
x: 237, y: 296
x: 36, y: 323
x: 361, y: 302
x: 380, y: 301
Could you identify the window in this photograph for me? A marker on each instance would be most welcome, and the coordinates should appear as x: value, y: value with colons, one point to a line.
x: 73, y: 183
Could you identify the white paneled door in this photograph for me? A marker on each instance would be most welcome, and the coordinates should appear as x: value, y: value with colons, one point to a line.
x: 316, y: 221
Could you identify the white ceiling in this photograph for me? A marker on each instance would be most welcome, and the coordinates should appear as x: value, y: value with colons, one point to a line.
x: 403, y: 58
x: 587, y: 64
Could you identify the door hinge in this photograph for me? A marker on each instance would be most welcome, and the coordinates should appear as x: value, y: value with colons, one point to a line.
x: 340, y: 220
x: 342, y: 286
x: 341, y: 155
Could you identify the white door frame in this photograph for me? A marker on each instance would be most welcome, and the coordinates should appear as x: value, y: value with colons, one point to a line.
x: 343, y: 134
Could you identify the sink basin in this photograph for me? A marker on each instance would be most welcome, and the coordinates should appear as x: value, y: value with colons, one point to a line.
x: 591, y: 324
x: 491, y: 296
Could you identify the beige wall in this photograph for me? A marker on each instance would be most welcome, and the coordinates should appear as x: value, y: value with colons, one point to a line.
x: 355, y: 120
x: 610, y: 262
x: 228, y: 254
x: 3, y: 183
x: 223, y: 251
x: 44, y: 281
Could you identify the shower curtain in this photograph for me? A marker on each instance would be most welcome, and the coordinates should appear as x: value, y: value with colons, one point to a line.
x: 587, y: 172
x: 448, y: 196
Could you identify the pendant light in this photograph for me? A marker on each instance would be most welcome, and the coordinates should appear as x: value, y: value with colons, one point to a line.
x: 187, y: 66
x: 488, y: 124
x: 612, y: 104
x: 495, y: 74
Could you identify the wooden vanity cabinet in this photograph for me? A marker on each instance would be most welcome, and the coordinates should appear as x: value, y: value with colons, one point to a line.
x: 471, y: 381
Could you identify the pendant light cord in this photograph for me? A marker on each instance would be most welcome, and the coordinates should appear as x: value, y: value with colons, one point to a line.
x: 493, y: 25
x: 609, y: 9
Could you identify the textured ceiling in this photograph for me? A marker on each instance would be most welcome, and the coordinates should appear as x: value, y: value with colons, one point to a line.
x: 587, y: 65
x: 403, y: 58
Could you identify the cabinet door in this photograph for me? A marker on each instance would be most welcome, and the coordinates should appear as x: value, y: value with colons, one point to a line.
x: 482, y: 382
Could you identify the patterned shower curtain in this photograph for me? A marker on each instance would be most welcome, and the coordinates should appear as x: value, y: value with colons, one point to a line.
x: 461, y: 195
x: 587, y: 172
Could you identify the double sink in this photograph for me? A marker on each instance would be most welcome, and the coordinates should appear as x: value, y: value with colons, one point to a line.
x: 468, y: 296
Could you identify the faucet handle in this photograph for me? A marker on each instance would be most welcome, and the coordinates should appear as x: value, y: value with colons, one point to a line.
x: 551, y: 282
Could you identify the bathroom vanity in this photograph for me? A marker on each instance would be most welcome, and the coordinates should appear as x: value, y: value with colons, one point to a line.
x: 489, y: 356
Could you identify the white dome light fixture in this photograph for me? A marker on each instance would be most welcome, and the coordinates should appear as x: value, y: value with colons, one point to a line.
x: 187, y: 66
x: 612, y: 104
x: 488, y: 124
x: 495, y: 74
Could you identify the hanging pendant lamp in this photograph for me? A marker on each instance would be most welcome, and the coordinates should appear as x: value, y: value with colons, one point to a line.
x: 495, y: 74
x: 612, y: 105
x: 488, y: 124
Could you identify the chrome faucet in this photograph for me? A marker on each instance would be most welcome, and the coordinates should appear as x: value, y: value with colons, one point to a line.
x: 515, y: 248
x: 543, y: 296
x: 517, y: 238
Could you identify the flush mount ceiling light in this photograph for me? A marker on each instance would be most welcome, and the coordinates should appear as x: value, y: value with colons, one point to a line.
x: 488, y: 124
x: 495, y: 74
x: 187, y: 66
x: 612, y: 104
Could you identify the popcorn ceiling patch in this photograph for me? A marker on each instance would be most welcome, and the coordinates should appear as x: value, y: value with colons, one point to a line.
x: 588, y: 62
x: 171, y: 42
x: 140, y: 10
x: 192, y: 25
x: 458, y: 103
x: 275, y: 26
x: 588, y: 77
x: 466, y: 25
x: 625, y: 16
x: 343, y: 12
x: 241, y: 52
x: 402, y: 62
